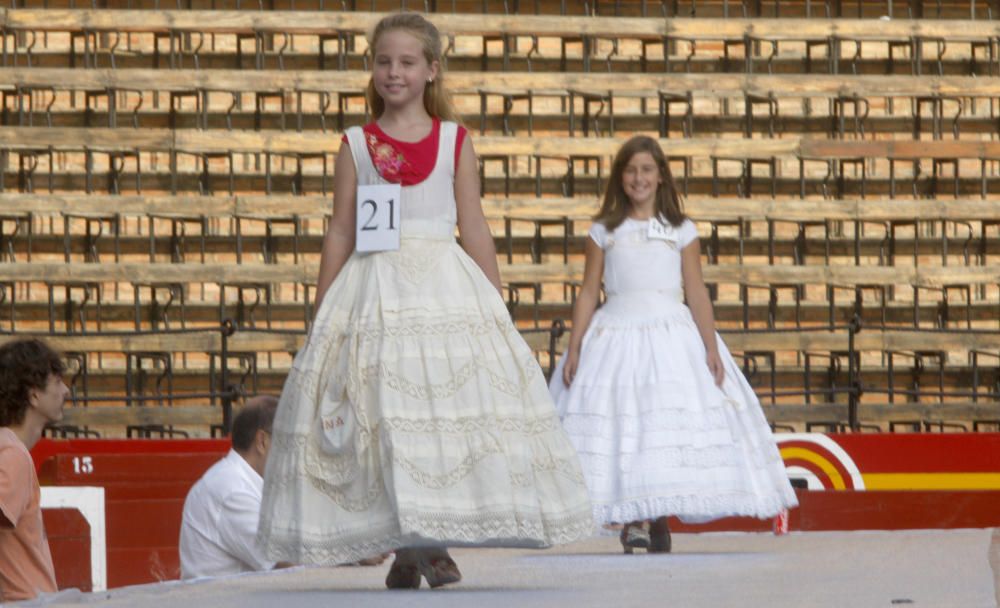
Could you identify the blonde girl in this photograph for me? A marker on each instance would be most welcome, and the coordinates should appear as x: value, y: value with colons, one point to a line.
x: 415, y: 418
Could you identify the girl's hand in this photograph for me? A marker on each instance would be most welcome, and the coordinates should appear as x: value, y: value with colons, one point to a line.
x: 714, y: 362
x: 569, y: 368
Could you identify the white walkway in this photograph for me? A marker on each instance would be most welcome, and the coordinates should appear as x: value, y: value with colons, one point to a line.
x: 838, y: 569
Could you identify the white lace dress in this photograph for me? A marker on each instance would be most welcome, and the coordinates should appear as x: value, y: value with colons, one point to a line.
x: 655, y: 435
x: 416, y: 415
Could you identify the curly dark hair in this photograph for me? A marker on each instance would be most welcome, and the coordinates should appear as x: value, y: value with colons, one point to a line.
x: 24, y: 365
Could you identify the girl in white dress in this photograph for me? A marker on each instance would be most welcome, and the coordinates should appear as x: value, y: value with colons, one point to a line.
x: 660, y: 414
x: 415, y: 417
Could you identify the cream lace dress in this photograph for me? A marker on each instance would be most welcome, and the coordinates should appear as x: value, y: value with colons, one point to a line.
x: 415, y: 415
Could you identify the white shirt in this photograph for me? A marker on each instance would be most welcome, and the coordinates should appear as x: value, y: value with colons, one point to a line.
x: 220, y: 518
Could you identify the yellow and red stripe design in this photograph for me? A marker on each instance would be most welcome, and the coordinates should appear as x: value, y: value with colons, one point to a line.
x: 925, y: 462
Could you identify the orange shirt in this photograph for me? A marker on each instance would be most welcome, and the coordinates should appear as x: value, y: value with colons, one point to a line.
x: 25, y: 562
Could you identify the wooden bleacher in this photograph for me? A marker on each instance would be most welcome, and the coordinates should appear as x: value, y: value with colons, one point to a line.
x: 166, y: 169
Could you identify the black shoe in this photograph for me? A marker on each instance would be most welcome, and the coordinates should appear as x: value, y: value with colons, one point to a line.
x: 659, y: 536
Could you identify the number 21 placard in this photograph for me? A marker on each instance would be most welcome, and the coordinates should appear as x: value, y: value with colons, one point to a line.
x: 378, y: 218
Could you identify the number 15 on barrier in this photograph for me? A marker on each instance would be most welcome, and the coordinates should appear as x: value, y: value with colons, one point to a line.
x: 378, y: 218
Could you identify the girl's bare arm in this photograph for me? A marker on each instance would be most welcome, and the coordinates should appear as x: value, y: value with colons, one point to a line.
x: 701, y: 306
x: 472, y: 227
x: 583, y: 309
x: 590, y: 291
x: 338, y: 243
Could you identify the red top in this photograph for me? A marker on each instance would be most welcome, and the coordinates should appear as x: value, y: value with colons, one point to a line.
x: 404, y: 162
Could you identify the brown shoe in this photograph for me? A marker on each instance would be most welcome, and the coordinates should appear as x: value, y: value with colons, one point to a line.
x: 438, y: 570
x: 402, y: 575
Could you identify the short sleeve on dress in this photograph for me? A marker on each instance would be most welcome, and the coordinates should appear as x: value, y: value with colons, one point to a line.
x: 688, y: 233
x: 599, y: 233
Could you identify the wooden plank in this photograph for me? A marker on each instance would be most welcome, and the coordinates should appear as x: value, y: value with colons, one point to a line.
x: 882, y: 412
x: 188, y: 415
x: 147, y: 415
x: 168, y: 206
x: 318, y: 22
x: 160, y: 273
x: 33, y: 138
x: 720, y: 86
x: 899, y: 149
x: 812, y: 412
x: 806, y: 275
x: 702, y: 86
x: 818, y: 29
x: 866, y: 340
x: 854, y: 275
x: 289, y: 142
x: 966, y: 411
x: 305, y: 273
x: 577, y: 208
x: 650, y: 28
x: 187, y: 80
x: 267, y: 342
x: 869, y: 340
x: 847, y: 209
x: 198, y: 341
x: 164, y: 140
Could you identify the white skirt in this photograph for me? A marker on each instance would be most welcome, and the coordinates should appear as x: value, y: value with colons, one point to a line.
x: 655, y: 435
x: 416, y: 415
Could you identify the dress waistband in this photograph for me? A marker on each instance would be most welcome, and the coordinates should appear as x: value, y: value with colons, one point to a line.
x: 427, y: 230
x: 659, y: 295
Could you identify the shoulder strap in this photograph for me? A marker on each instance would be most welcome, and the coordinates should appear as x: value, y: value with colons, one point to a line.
x: 446, y: 145
x: 363, y: 165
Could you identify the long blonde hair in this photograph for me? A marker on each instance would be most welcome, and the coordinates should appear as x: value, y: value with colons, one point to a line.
x: 616, y: 205
x: 437, y: 101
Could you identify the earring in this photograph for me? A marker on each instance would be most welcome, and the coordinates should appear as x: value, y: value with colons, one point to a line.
x: 430, y: 80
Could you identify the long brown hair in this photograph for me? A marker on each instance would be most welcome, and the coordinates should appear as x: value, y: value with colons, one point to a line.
x: 616, y: 205
x: 437, y: 101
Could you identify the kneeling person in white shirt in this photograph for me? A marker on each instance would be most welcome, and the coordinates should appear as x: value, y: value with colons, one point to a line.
x: 221, y: 511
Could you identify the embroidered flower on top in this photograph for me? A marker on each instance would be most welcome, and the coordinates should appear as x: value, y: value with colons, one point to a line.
x: 389, y: 162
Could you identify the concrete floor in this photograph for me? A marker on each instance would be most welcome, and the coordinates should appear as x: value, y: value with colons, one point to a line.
x: 934, y: 568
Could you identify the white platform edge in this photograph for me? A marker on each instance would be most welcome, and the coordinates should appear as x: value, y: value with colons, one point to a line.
x: 90, y: 502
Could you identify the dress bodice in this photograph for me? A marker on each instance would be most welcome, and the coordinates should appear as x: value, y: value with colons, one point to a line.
x: 427, y: 209
x: 634, y: 261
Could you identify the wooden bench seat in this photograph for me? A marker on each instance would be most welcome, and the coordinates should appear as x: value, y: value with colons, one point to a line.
x: 968, y: 245
x: 585, y: 31
x: 881, y: 413
x: 761, y: 340
x: 711, y: 9
x: 281, y: 142
x: 325, y: 22
x: 577, y: 208
x: 702, y: 86
x: 785, y: 312
x: 306, y: 273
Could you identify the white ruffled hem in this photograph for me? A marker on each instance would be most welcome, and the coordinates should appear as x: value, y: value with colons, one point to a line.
x: 690, y: 509
x: 656, y: 436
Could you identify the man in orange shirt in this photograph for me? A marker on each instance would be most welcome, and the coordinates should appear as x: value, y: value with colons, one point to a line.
x: 32, y: 394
